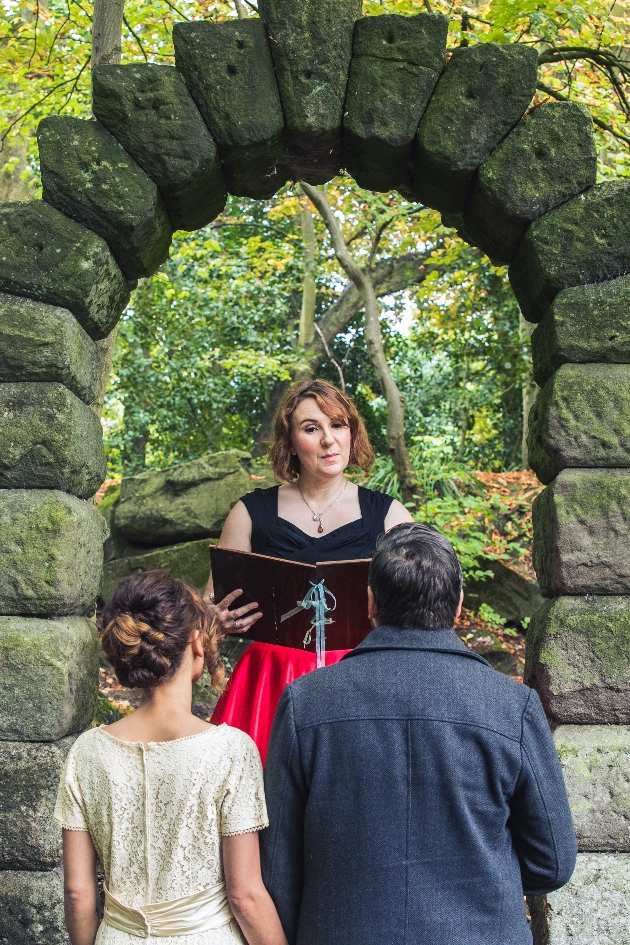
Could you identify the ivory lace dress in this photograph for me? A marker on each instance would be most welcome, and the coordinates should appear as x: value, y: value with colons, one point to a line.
x: 156, y: 816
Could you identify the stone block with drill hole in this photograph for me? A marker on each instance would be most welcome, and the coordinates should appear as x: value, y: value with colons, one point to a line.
x: 29, y: 779
x: 89, y: 176
x: 311, y: 45
x: 31, y: 908
x: 49, y: 439
x: 582, y: 533
x: 51, y: 553
x: 595, y: 763
x: 480, y: 96
x: 585, y: 240
x: 396, y: 63
x: 592, y: 909
x: 581, y: 418
x: 546, y: 159
x: 148, y: 108
x: 229, y: 73
x: 48, y: 257
x: 40, y: 342
x: 48, y: 677
x: 586, y: 323
x: 578, y: 659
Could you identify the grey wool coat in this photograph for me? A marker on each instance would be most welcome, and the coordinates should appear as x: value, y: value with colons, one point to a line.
x: 414, y: 795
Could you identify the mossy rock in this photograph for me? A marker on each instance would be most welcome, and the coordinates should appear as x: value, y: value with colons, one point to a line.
x: 586, y: 323
x: 189, y: 561
x: 396, y: 63
x: 546, y: 159
x: 580, y: 418
x: 48, y: 677
x: 31, y: 906
x: 148, y: 109
x: 51, y: 555
x: 42, y: 343
x: 592, y: 909
x: 585, y: 240
x: 480, y: 96
x: 29, y: 778
x: 311, y: 45
x: 49, y: 258
x: 229, y: 73
x: 49, y: 439
x: 89, y: 176
x: 509, y: 594
x: 581, y: 529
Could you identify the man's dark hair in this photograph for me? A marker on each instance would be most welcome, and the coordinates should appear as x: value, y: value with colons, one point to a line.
x: 415, y: 578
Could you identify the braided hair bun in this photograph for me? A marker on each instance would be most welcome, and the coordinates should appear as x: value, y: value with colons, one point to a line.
x: 147, y: 626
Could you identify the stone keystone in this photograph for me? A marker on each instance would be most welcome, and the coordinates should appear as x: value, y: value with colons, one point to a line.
x: 51, y: 554
x: 29, y: 778
x: 396, y: 63
x: 147, y: 107
x: 595, y: 762
x: 546, y: 159
x: 587, y: 239
x: 585, y: 323
x: 42, y: 343
x: 49, y: 439
x: 578, y: 659
x: 311, y: 45
x: 229, y: 73
x: 90, y: 177
x: 47, y: 257
x: 581, y: 529
x: 581, y: 418
x: 481, y: 95
x: 48, y: 677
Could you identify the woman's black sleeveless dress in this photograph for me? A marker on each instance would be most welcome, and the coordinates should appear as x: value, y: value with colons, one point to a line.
x: 252, y: 694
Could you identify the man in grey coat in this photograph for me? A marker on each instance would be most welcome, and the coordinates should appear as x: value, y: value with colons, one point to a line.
x: 414, y: 793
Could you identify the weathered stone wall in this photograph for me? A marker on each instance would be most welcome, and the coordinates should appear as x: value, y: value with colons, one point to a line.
x: 251, y: 104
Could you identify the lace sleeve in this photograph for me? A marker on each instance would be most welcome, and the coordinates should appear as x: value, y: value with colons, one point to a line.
x: 70, y: 807
x: 243, y: 809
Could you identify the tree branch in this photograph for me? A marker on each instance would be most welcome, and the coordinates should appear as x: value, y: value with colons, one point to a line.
x: 596, y: 121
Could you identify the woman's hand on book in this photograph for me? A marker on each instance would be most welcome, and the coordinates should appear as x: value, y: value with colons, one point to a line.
x: 236, y: 621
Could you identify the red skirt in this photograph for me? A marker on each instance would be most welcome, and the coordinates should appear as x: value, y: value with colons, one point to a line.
x: 251, y: 696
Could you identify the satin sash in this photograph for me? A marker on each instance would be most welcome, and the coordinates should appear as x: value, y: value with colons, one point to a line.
x: 205, y: 910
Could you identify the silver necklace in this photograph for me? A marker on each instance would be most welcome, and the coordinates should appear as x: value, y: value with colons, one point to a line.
x: 317, y: 516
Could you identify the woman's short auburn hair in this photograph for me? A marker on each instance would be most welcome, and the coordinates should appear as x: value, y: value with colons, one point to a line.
x: 335, y: 404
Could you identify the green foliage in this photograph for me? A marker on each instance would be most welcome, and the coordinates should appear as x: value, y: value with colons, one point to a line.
x: 107, y: 712
x: 491, y: 617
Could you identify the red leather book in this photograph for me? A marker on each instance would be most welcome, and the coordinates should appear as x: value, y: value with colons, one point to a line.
x: 279, y: 585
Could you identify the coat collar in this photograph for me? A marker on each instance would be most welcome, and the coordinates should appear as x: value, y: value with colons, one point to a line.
x: 394, y: 638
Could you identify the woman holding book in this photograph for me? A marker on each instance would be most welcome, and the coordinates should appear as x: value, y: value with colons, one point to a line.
x: 316, y: 515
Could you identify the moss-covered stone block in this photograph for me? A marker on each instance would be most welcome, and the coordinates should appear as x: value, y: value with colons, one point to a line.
x: 510, y: 595
x: 185, y: 502
x: 148, y: 109
x: 31, y: 908
x: 479, y: 98
x: 311, y: 45
x: 51, y: 554
x: 546, y: 159
x: 592, y: 909
x: 50, y: 258
x: 49, y: 439
x: 89, y: 176
x: 229, y: 73
x: 578, y: 659
x: 396, y: 63
x: 42, y: 343
x: 29, y: 778
x: 584, y: 323
x: 580, y: 418
x: 189, y: 561
x: 581, y: 531
x: 585, y: 240
x: 48, y: 677
x: 595, y: 763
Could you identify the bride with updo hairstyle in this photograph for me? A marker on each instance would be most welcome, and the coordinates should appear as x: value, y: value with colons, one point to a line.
x: 170, y: 805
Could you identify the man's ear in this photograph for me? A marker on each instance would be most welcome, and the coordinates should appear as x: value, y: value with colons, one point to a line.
x: 459, y: 606
x: 372, y: 608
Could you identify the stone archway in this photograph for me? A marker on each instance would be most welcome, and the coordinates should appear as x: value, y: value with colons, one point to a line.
x: 252, y: 104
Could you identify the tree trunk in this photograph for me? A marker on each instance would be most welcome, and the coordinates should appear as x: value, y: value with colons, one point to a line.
x: 530, y: 390
x: 12, y: 165
x: 307, y: 313
x: 107, y: 25
x: 240, y: 12
x: 374, y: 342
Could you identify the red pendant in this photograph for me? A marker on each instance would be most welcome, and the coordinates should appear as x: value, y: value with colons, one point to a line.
x: 320, y: 528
